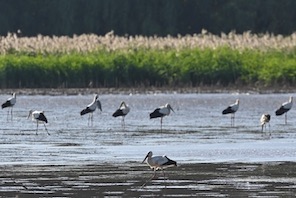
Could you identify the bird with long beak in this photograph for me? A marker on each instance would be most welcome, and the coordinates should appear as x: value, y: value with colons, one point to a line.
x: 265, y: 118
x: 91, y: 108
x: 38, y: 116
x: 160, y: 112
x: 231, y: 109
x: 284, y: 108
x: 158, y: 163
x: 122, y: 111
x: 10, y: 102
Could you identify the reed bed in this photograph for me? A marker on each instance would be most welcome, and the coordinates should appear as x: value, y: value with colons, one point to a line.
x: 112, y: 61
x: 86, y: 43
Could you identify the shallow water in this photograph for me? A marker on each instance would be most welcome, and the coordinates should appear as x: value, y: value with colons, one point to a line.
x: 104, y: 160
x: 196, y: 132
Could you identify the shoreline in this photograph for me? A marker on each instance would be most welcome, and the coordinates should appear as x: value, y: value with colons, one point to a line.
x: 148, y: 90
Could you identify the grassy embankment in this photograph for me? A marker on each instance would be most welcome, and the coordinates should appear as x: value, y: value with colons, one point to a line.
x: 112, y: 61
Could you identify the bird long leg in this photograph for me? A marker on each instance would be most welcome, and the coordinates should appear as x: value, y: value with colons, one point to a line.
x: 11, y: 113
x: 46, y: 129
x: 153, y: 176
x: 285, y: 118
x: 37, y: 128
x: 92, y: 119
x: 161, y: 124
x: 88, y: 120
x: 232, y: 119
x: 163, y: 173
x: 122, y: 122
x: 7, y: 115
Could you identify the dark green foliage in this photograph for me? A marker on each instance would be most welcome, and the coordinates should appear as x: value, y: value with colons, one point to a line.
x: 140, y: 17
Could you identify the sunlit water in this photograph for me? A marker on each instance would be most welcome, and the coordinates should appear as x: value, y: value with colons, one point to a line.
x: 196, y: 132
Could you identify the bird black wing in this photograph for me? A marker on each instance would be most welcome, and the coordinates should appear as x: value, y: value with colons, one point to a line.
x: 42, y: 117
x: 169, y: 162
x: 281, y: 111
x: 117, y: 113
x: 85, y: 111
x: 156, y: 114
x: 227, y: 110
x: 6, y: 104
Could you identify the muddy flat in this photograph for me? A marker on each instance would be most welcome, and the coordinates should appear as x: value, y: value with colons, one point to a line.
x: 132, y: 180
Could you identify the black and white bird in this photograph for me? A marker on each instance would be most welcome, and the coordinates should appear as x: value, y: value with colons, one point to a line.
x: 265, y: 118
x: 38, y: 116
x: 231, y: 109
x: 92, y: 107
x: 10, y: 102
x: 160, y: 112
x: 158, y: 163
x: 284, y: 108
x: 122, y: 111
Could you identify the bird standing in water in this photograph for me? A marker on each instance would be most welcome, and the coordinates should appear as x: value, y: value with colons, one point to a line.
x: 265, y: 118
x: 284, y: 108
x: 122, y: 111
x: 231, y: 109
x: 38, y: 116
x: 10, y: 102
x: 91, y: 108
x: 160, y: 112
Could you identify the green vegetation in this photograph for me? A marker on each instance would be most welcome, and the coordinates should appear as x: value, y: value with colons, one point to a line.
x: 114, y: 61
x: 148, y: 67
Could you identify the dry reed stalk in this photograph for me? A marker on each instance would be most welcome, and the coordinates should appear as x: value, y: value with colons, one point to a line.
x: 85, y: 43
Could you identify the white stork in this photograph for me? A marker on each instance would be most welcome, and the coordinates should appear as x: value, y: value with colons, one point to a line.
x: 158, y: 163
x: 284, y: 108
x: 231, y: 109
x: 122, y: 111
x: 10, y: 102
x: 38, y: 116
x: 91, y: 108
x: 160, y: 112
x: 265, y: 118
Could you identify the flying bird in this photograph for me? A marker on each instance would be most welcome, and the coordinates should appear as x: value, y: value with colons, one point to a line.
x: 10, y: 102
x: 91, y: 108
x: 231, y: 109
x: 265, y: 118
x: 158, y: 163
x: 284, y: 108
x: 160, y: 112
x: 122, y: 111
x: 38, y: 116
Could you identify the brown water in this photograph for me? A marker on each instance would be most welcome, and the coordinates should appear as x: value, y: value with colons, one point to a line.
x: 104, y: 159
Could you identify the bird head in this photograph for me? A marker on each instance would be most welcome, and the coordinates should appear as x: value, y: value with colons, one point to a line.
x: 30, y: 113
x: 170, y: 107
x: 96, y: 96
x: 149, y: 154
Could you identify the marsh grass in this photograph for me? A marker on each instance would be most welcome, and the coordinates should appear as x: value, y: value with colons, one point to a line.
x: 113, y: 61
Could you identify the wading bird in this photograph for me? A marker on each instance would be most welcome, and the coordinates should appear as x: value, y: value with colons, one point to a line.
x: 38, y: 116
x: 284, y: 108
x: 231, y: 109
x: 91, y: 108
x: 122, y: 111
x: 160, y: 112
x: 265, y: 118
x: 10, y: 102
x: 158, y: 163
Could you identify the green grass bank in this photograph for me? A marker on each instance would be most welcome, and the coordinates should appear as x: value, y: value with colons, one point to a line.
x: 138, y: 67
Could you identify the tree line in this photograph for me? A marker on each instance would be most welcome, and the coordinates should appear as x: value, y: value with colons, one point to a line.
x: 140, y: 17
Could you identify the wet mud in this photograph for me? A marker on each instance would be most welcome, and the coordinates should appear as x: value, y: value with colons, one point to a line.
x: 131, y: 179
